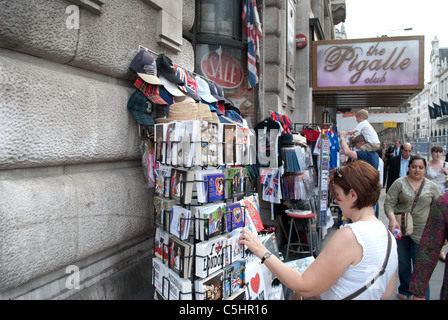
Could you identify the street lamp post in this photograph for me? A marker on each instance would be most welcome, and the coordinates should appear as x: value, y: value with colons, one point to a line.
x: 403, y: 29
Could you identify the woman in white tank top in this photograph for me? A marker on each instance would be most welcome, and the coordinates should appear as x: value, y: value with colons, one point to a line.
x: 354, y: 255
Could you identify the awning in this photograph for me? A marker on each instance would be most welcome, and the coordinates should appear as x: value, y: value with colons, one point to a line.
x: 385, y: 101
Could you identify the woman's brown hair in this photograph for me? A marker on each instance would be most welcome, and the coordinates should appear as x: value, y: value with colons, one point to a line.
x: 437, y: 148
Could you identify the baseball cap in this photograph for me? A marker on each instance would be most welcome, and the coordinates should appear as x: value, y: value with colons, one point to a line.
x: 172, y: 88
x: 145, y: 66
x: 204, y: 91
x: 150, y: 91
x: 214, y: 108
x: 141, y: 108
x: 165, y: 67
x: 191, y: 87
x: 232, y: 107
x: 221, y: 94
x: 214, y: 91
x: 234, y: 116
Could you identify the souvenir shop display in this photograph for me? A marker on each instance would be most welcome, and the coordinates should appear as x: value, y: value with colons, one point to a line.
x: 287, y: 168
x: 198, y: 157
x: 298, y: 177
x: 327, y: 151
x: 299, y: 186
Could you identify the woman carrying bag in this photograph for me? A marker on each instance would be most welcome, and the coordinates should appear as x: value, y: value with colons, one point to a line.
x: 407, y: 205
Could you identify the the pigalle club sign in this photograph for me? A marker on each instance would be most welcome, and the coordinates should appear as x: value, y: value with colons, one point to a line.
x: 368, y: 64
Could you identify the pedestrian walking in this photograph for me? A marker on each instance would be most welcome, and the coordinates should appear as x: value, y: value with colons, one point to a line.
x: 433, y: 238
x: 398, y: 165
x: 400, y: 198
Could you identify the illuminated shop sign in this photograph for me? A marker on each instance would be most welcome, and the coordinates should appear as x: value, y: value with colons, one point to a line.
x: 368, y: 64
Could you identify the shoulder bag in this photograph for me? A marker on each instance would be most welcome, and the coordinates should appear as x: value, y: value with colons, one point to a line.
x: 405, y: 218
x: 382, y: 271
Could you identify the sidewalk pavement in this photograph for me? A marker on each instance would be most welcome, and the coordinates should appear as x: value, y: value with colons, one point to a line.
x: 435, y: 282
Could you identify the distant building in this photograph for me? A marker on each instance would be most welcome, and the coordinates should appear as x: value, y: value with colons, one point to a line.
x: 420, y: 125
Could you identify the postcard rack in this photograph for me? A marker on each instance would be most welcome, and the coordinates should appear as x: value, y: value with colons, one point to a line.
x: 236, y: 188
x: 202, y: 181
x: 206, y: 152
x: 189, y: 261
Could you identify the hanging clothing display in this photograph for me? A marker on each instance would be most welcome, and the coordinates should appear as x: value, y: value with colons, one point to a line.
x: 284, y: 121
x: 333, y: 140
x: 268, y: 133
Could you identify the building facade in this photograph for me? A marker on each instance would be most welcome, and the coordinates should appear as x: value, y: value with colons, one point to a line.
x: 76, y: 215
x: 420, y: 125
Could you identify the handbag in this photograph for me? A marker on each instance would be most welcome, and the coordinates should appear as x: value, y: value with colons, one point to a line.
x: 382, y: 271
x: 405, y: 218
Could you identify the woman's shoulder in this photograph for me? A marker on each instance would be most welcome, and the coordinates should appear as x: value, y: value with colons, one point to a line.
x: 430, y: 182
x: 344, y: 236
x: 346, y: 241
x: 352, y: 231
x: 399, y: 182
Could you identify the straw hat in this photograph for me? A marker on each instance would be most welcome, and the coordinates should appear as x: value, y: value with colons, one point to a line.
x: 187, y: 110
x: 204, y: 112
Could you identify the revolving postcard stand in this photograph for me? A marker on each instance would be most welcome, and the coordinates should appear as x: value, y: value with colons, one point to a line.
x: 196, y: 235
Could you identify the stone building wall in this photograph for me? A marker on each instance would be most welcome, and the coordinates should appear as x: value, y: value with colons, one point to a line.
x: 74, y: 205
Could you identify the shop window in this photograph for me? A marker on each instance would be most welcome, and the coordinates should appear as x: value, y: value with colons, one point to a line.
x: 220, y: 17
x: 221, y: 51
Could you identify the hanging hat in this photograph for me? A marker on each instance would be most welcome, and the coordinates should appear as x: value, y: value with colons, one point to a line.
x: 232, y: 107
x: 183, y: 111
x: 187, y: 111
x: 172, y: 88
x: 214, y: 108
x: 191, y: 87
x: 298, y: 138
x: 150, y: 91
x: 165, y: 67
x: 286, y: 139
x: 234, y: 116
x: 141, y: 108
x: 214, y: 91
x: 165, y: 95
x: 145, y: 66
x: 204, y: 91
x: 221, y: 94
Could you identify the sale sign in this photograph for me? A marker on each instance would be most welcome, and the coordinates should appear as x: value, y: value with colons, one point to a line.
x: 222, y: 69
